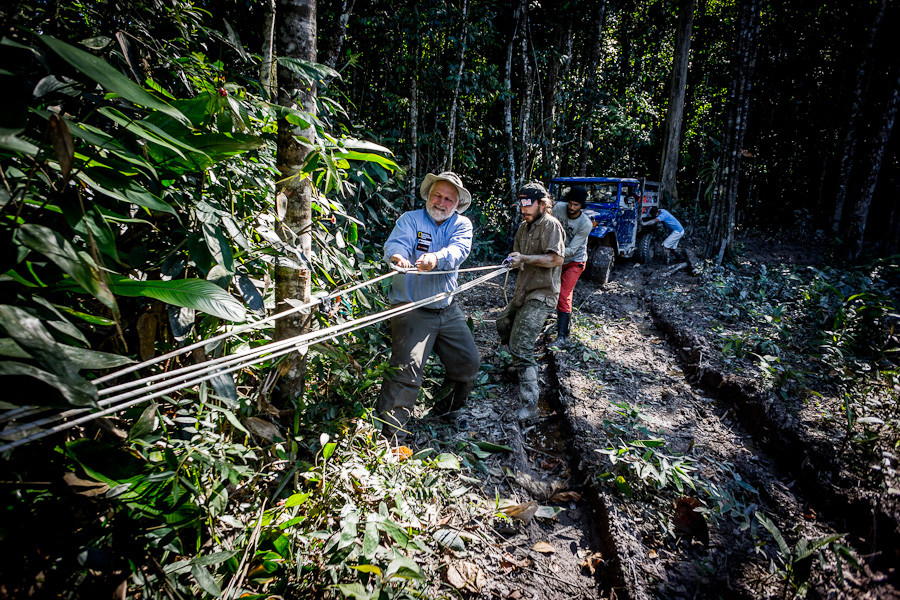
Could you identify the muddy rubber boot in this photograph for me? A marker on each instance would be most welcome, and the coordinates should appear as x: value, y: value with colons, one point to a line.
x: 528, y: 395
x: 563, y: 321
x: 453, y: 399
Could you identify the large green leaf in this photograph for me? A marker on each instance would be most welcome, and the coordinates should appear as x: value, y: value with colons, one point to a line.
x: 110, y: 78
x: 147, y: 131
x: 76, y: 265
x: 370, y: 157
x: 74, y: 392
x: 310, y: 71
x: 124, y: 190
x: 188, y: 293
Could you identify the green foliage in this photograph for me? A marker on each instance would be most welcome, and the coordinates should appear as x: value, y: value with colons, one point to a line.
x: 638, y: 458
x: 793, y: 564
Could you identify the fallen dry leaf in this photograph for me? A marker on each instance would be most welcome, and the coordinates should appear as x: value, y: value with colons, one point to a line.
x: 653, y: 554
x: 592, y: 562
x: 548, y: 464
x: 84, y: 487
x: 543, y: 548
x: 566, y: 497
x: 509, y: 563
x: 466, y: 576
x: 690, y: 523
x: 263, y: 428
x: 515, y: 595
x: 523, y: 512
x: 401, y: 453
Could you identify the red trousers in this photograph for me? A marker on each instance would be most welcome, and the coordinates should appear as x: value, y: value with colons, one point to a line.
x: 570, y: 273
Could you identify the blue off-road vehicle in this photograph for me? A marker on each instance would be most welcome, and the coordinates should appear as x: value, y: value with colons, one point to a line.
x: 615, y: 206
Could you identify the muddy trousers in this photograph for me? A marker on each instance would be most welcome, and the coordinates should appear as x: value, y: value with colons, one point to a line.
x: 519, y: 326
x: 414, y: 336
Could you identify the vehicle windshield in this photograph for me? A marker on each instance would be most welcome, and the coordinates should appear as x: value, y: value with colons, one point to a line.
x: 603, y: 192
x: 597, y: 192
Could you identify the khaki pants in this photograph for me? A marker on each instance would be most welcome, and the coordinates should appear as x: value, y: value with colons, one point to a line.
x: 519, y: 326
x: 413, y: 337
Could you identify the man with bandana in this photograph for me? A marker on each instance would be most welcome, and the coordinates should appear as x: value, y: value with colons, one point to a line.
x: 538, y: 251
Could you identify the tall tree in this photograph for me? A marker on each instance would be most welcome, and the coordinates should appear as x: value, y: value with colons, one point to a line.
x: 593, y: 86
x: 527, y: 97
x: 414, y: 115
x: 464, y: 39
x: 853, y: 227
x: 336, y: 45
x: 851, y: 136
x: 508, y: 99
x: 296, y: 40
x: 266, y: 68
x: 724, y: 206
x: 675, y: 110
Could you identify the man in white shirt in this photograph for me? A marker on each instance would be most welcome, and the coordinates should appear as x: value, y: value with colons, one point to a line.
x: 577, y: 226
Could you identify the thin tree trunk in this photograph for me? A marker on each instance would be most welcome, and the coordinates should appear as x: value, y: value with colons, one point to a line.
x: 525, y: 105
x: 855, y: 222
x: 296, y: 39
x: 675, y: 110
x: 892, y: 245
x: 851, y: 137
x: 507, y: 102
x: 556, y: 131
x: 724, y: 207
x: 590, y: 94
x: 451, y: 142
x: 414, y: 117
x: 266, y: 69
x: 337, y: 40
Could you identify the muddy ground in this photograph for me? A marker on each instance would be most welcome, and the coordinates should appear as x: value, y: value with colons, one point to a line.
x: 636, y: 403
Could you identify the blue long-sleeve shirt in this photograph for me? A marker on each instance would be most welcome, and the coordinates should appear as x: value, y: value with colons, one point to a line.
x: 669, y: 221
x: 415, y: 234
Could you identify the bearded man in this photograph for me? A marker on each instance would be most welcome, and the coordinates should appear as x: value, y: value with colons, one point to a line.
x: 436, y: 237
x: 577, y: 226
x: 538, y: 254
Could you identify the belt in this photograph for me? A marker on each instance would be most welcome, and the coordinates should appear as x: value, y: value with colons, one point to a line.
x: 437, y: 310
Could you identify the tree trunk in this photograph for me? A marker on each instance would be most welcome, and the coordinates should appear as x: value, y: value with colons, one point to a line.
x: 507, y: 102
x: 556, y: 123
x: 414, y: 112
x: 266, y: 69
x: 593, y: 84
x: 675, y: 110
x: 525, y: 106
x: 724, y: 205
x: 451, y: 141
x: 296, y: 39
x: 851, y: 137
x: 413, y: 137
x: 337, y: 40
x: 854, y: 229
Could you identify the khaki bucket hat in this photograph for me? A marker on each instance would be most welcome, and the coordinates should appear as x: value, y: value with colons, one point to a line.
x: 465, y: 198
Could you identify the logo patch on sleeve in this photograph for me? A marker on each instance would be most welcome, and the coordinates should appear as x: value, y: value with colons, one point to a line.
x: 423, y: 241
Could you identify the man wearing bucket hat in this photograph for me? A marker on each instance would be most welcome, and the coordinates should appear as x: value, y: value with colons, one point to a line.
x: 577, y: 226
x: 538, y: 254
x: 434, y: 238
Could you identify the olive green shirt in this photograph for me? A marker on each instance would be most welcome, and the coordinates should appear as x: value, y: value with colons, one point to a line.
x: 539, y: 283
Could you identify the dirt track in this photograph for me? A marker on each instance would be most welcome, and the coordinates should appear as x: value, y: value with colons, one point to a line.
x: 624, y: 381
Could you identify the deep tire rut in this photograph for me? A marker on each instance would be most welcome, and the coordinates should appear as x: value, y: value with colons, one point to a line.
x: 621, y: 359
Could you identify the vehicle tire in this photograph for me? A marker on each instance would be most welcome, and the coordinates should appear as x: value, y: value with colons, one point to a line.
x: 601, y: 262
x: 646, y: 249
